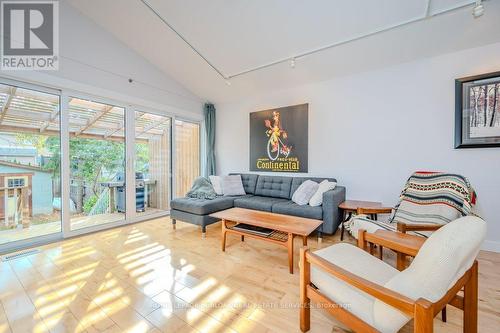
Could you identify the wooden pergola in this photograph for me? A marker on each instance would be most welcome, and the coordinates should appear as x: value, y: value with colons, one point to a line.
x: 29, y: 111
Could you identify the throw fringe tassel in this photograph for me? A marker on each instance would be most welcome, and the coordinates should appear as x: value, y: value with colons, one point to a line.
x: 348, y: 225
x: 357, y: 222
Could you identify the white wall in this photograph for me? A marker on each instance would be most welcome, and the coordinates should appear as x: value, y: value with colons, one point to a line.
x: 372, y: 130
x: 96, y: 63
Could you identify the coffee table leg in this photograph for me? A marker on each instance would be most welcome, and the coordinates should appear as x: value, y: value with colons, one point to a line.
x: 223, y: 235
x: 290, y: 252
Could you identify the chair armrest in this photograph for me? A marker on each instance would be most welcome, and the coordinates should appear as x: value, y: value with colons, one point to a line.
x: 403, y: 227
x: 396, y: 241
x: 375, y: 210
x: 390, y: 297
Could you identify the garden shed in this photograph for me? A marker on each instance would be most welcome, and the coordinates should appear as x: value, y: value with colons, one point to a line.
x: 25, y: 182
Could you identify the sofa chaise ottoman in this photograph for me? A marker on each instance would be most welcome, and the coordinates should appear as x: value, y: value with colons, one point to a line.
x: 264, y: 193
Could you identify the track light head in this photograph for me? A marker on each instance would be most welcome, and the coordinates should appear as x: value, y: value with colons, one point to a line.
x: 292, y: 62
x: 478, y: 9
x: 228, y: 82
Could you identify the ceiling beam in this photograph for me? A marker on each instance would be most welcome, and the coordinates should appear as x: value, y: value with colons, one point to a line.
x: 6, y: 106
x: 94, y: 119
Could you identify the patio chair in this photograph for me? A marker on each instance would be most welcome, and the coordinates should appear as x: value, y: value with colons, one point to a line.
x: 368, y: 295
x: 428, y: 201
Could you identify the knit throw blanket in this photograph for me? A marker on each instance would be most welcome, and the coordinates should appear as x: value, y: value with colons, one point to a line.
x: 202, y: 189
x: 434, y: 198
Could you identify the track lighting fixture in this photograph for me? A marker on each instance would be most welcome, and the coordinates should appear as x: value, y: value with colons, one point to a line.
x: 478, y: 9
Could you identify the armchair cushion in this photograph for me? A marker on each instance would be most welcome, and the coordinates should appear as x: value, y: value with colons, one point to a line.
x: 363, y: 264
x: 441, y: 261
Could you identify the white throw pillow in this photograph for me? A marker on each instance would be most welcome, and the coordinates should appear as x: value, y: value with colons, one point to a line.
x: 217, y: 184
x: 324, y: 186
x: 232, y: 185
x: 304, y: 193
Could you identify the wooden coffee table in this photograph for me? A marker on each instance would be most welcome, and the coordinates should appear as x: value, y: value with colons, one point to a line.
x: 285, y: 227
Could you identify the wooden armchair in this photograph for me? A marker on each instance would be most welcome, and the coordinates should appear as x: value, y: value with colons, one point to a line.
x: 403, y: 245
x: 427, y: 201
x: 368, y: 295
x: 390, y: 239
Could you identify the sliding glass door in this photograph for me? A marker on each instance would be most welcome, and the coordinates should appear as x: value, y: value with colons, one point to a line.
x: 97, y: 163
x: 71, y: 164
x: 30, y: 160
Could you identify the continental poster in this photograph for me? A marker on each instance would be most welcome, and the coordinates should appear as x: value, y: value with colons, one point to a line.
x: 278, y: 139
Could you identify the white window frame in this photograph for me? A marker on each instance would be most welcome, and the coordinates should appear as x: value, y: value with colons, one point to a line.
x: 14, y: 178
x: 39, y: 240
x: 130, y: 216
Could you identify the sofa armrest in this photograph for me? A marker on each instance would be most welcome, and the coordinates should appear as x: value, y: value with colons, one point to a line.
x: 331, y: 213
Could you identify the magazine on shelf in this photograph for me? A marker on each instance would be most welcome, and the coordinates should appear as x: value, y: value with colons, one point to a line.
x: 253, y: 229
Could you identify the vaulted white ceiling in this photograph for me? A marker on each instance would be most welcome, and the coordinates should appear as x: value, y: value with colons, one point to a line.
x: 235, y: 36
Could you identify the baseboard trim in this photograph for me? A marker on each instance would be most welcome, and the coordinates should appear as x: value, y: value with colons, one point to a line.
x: 491, y: 246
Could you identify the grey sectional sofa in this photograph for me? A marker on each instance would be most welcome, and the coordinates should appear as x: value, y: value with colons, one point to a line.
x: 265, y: 193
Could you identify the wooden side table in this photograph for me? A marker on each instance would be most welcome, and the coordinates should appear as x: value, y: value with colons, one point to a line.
x: 359, y: 207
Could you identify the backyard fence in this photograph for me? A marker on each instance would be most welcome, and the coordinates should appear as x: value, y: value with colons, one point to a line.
x: 79, y: 190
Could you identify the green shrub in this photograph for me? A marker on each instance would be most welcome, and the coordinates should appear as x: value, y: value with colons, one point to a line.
x: 89, y: 204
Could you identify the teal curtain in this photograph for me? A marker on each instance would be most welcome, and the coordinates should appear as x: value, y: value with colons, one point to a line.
x: 209, y: 112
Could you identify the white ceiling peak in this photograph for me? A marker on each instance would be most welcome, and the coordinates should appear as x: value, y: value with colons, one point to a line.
x: 203, y: 43
x: 227, y: 76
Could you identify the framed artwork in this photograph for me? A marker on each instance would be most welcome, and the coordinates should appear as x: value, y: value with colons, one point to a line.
x: 279, y: 139
x: 477, y: 111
